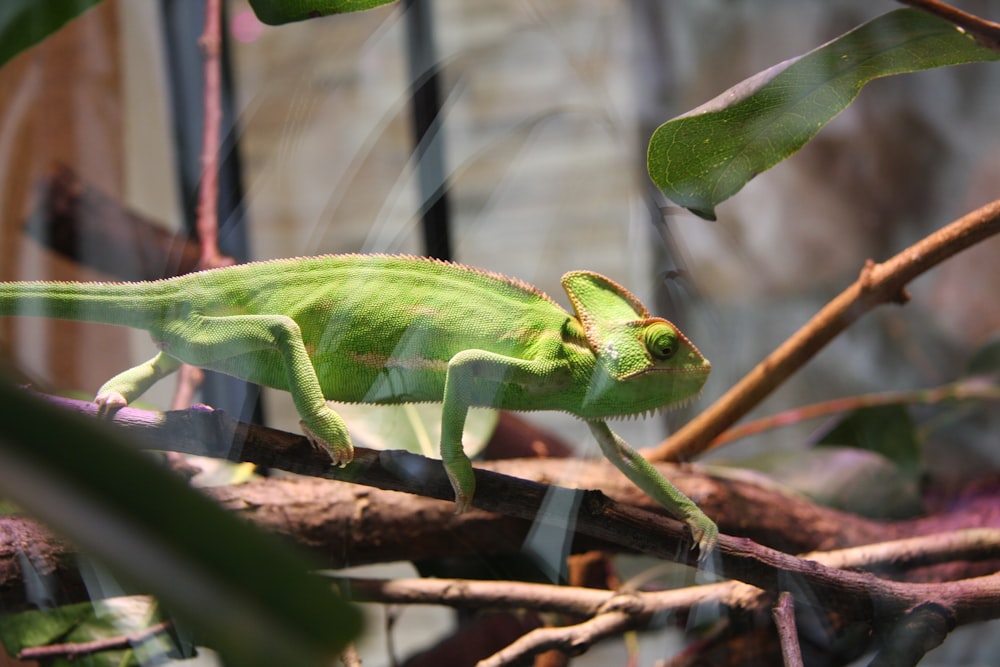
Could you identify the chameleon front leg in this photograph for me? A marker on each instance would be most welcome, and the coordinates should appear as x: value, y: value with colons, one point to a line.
x: 475, y: 377
x: 648, y: 478
x: 129, y: 385
x: 200, y: 341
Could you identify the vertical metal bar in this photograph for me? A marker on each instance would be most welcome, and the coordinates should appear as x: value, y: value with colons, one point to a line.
x: 425, y: 105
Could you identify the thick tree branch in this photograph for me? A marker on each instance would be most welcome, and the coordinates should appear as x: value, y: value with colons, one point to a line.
x: 877, y: 284
x: 599, y: 519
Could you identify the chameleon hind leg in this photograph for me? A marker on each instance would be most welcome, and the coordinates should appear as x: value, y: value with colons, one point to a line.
x: 129, y: 385
x: 642, y: 473
x: 208, y: 341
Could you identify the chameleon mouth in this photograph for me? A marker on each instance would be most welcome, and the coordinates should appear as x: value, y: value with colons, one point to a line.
x: 658, y: 410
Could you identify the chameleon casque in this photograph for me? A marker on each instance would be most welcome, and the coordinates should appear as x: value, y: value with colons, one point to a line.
x: 389, y: 329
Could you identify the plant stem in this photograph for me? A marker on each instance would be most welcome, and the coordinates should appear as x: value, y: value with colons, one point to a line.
x: 877, y: 284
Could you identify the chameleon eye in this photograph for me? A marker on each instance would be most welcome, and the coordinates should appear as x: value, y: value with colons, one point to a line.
x: 661, y: 341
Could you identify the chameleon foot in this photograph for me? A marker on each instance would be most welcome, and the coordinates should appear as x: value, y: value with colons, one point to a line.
x: 108, y: 402
x: 705, y: 534
x: 341, y: 454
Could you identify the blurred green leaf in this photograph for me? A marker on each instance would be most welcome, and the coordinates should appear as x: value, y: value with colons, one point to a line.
x: 276, y: 12
x: 845, y: 478
x: 707, y: 155
x: 887, y: 430
x: 245, y: 594
x: 985, y: 360
x: 415, y: 427
x: 24, y: 23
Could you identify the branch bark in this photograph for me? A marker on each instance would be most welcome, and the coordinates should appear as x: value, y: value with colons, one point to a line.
x: 784, y: 620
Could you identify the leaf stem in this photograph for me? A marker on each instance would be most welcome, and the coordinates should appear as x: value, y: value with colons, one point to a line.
x: 986, y: 33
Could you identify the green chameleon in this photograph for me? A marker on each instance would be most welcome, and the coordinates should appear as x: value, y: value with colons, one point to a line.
x: 394, y: 329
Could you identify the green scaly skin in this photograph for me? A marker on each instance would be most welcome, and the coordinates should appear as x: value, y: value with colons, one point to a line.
x: 393, y: 329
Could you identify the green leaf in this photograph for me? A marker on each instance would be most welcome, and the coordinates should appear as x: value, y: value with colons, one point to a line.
x: 845, y: 478
x: 244, y: 593
x: 24, y: 23
x: 707, y: 155
x: 887, y: 430
x: 985, y: 360
x: 276, y: 12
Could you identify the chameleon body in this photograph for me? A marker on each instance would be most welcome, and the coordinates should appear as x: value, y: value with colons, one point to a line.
x: 395, y: 329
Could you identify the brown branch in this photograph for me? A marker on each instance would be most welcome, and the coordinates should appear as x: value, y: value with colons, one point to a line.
x: 877, y: 284
x: 570, y: 639
x: 969, y: 389
x: 986, y: 33
x: 70, y: 216
x: 784, y: 620
x: 208, y: 193
x: 612, y: 612
x: 737, y: 500
x: 850, y: 593
x: 854, y: 594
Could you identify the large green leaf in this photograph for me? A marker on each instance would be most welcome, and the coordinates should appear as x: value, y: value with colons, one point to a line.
x: 276, y: 12
x: 707, y: 155
x: 243, y: 592
x: 24, y: 23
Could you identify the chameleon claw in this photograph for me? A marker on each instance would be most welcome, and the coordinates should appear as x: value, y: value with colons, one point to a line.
x: 462, y: 505
x: 705, y: 534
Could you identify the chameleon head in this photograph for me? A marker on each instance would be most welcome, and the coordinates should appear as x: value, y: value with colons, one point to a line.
x: 642, y: 363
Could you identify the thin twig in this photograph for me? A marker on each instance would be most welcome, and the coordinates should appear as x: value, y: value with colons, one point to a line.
x: 611, y: 613
x: 969, y: 389
x: 877, y: 284
x: 208, y: 192
x: 577, y: 601
x: 784, y: 620
x: 189, y: 379
x: 71, y: 651
x: 986, y: 33
x: 570, y: 639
